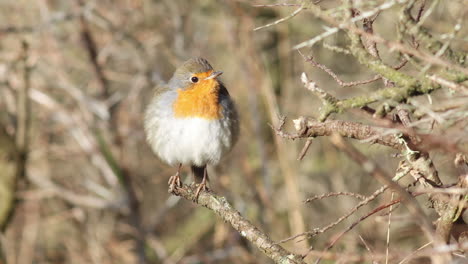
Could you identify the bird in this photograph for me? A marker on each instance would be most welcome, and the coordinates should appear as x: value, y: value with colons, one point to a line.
x: 192, y: 121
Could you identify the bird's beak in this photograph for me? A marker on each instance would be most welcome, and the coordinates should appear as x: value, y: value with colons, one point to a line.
x: 214, y: 75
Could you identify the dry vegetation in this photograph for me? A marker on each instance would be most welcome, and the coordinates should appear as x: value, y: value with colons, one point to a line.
x: 354, y: 132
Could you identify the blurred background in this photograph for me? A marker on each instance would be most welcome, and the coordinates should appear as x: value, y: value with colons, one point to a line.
x: 92, y: 191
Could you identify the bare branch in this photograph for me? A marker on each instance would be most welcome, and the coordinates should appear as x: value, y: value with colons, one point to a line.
x: 365, y: 201
x: 309, y: 127
x: 380, y: 175
x: 317, y: 11
x: 220, y: 206
x: 355, y: 223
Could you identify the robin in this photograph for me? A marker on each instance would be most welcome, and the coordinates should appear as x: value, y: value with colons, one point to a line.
x: 192, y: 121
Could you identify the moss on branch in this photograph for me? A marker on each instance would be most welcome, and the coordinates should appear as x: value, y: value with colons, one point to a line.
x: 395, y: 94
x: 407, y: 86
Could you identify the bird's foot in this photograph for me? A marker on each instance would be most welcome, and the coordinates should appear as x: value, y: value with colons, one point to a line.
x: 201, y: 187
x: 174, y: 182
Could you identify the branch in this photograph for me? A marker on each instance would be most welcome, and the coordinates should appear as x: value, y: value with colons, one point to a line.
x: 307, y: 127
x: 456, y: 204
x: 220, y: 206
x: 12, y: 182
x: 420, y: 160
x: 366, y: 200
x: 23, y: 116
x: 91, y: 47
x: 335, y: 76
x: 7, y: 177
x: 408, y: 200
x: 378, y: 173
x: 392, y: 45
x: 413, y: 27
x: 355, y: 223
x: 408, y: 87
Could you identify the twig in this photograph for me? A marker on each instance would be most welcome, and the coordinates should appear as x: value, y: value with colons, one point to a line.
x: 368, y: 249
x: 334, y: 194
x: 412, y: 26
x: 347, y: 84
x: 336, y: 48
x: 446, y: 45
x: 407, y: 200
x: 92, y: 50
x: 409, y: 87
x: 220, y: 206
x: 441, y: 250
x: 312, y: 86
x: 305, y: 149
x: 22, y: 139
x: 275, y: 5
x: 427, y: 57
x: 387, y: 244
x: 293, y: 14
x: 362, y: 218
x: 414, y: 252
x: 346, y: 257
x: 381, y: 176
x: 328, y: 101
x: 23, y: 116
x: 449, y: 84
x: 317, y: 231
x: 421, y: 18
x: 279, y: 130
x: 375, y: 194
x: 448, y: 190
x: 336, y: 78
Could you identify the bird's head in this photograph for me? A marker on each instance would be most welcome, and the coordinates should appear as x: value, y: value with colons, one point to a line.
x: 194, y: 74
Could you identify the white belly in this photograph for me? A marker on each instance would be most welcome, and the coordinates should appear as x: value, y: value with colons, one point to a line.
x: 191, y: 141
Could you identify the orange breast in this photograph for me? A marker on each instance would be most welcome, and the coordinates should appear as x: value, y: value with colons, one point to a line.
x: 200, y: 100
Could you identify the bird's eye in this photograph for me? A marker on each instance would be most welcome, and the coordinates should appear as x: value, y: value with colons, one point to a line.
x: 194, y: 79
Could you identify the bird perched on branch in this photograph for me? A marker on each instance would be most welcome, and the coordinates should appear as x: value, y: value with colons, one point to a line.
x: 192, y: 121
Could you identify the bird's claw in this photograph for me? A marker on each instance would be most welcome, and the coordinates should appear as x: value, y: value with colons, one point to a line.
x: 174, y: 182
x: 201, y: 187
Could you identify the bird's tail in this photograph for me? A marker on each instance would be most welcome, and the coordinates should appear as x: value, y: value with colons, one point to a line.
x: 198, y: 172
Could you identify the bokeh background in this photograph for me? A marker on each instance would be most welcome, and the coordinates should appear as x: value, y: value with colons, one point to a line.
x: 93, y: 191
